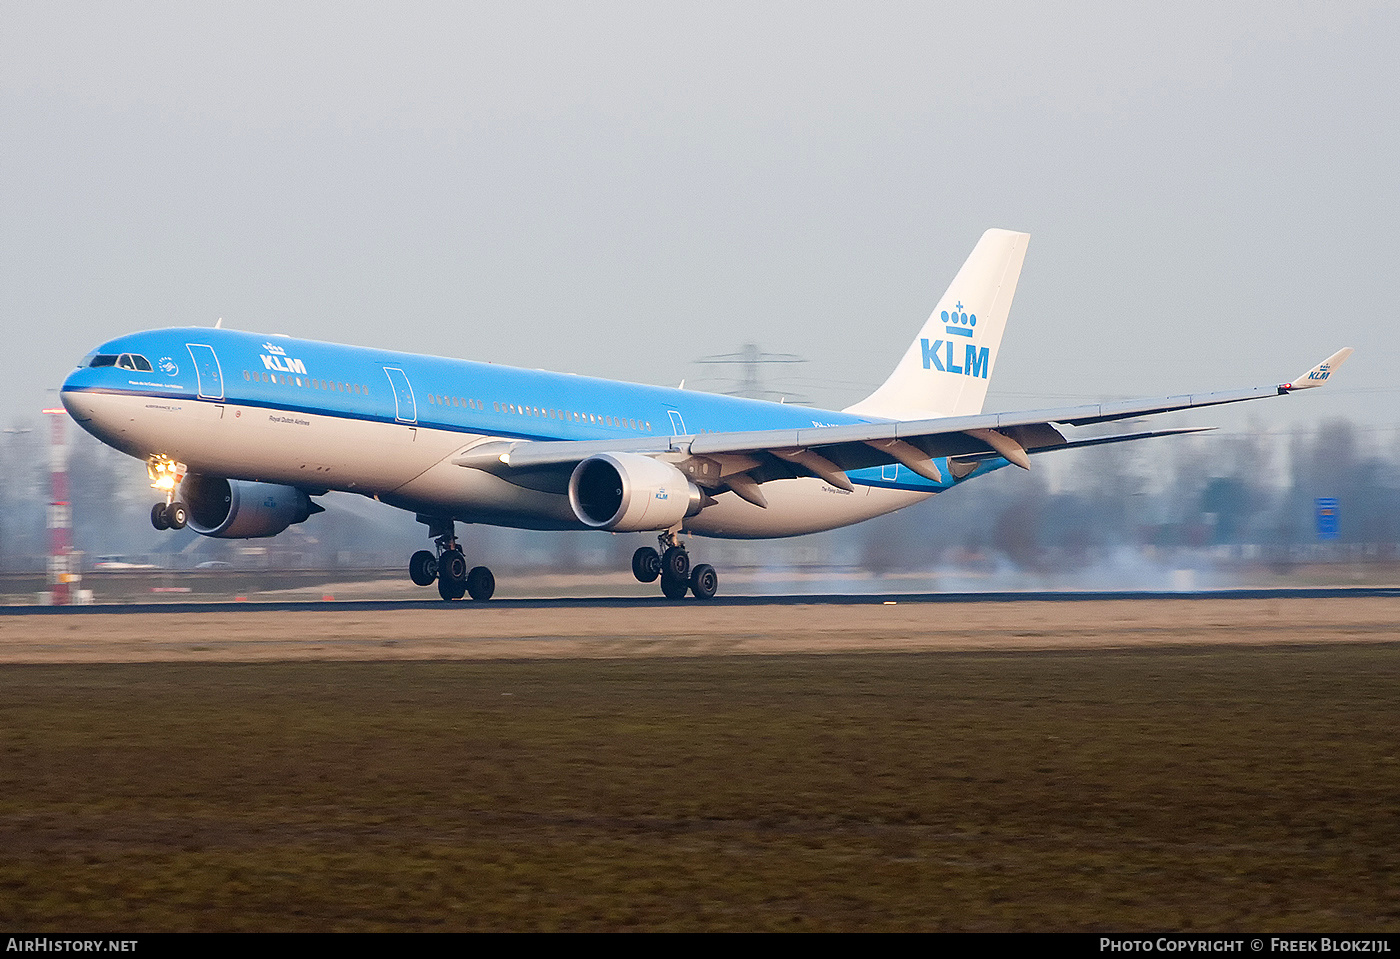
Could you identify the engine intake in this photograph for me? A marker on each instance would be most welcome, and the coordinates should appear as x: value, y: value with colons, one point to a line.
x: 628, y: 492
x: 240, y: 509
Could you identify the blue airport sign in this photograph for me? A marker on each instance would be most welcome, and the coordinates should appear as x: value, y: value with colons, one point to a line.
x: 1327, y: 517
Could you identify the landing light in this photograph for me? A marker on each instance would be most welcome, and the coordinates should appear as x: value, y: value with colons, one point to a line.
x: 165, y: 473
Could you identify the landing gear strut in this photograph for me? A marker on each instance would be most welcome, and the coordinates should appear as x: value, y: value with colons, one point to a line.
x: 448, y: 567
x: 672, y: 566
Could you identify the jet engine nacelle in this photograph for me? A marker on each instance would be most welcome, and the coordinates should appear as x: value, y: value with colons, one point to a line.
x: 239, y: 509
x: 628, y: 492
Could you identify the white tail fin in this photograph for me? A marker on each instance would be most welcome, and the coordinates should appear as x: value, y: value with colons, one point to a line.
x: 946, y: 369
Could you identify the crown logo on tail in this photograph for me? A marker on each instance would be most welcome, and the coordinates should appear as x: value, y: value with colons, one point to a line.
x: 958, y: 323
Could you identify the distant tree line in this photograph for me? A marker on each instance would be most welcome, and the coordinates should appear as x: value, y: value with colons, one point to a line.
x: 1254, y: 489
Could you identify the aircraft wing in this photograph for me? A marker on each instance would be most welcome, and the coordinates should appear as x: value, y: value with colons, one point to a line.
x: 744, y: 458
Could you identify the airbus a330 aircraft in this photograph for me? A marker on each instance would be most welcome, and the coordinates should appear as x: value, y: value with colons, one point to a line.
x: 241, y: 430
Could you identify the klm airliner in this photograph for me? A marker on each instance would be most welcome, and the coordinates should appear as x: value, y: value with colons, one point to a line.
x: 241, y: 431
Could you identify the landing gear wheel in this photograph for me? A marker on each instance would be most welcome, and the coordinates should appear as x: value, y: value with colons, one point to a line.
x: 675, y: 563
x: 704, y: 581
x: 452, y: 575
x: 177, y: 514
x: 674, y: 588
x: 481, y: 584
x: 158, y: 519
x: 423, y: 568
x: 646, y: 565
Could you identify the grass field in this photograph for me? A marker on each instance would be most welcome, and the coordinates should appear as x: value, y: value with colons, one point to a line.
x: 1161, y: 788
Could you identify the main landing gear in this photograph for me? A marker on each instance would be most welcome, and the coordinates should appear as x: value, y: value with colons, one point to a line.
x: 172, y: 515
x: 448, y: 567
x: 672, y: 566
x: 166, y: 475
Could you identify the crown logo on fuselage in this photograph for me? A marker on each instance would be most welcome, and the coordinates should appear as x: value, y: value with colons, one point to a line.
x: 277, y: 360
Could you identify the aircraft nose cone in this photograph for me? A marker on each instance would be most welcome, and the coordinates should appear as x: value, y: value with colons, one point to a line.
x: 101, y: 415
x: 75, y: 403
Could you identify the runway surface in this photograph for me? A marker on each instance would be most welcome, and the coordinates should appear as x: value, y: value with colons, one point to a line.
x: 653, y: 602
x: 630, y: 628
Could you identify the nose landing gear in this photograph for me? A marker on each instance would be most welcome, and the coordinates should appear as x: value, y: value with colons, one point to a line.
x: 448, y: 568
x: 166, y: 475
x: 672, y: 566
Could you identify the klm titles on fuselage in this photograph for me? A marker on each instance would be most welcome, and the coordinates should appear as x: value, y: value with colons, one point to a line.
x: 939, y: 355
x: 279, y: 361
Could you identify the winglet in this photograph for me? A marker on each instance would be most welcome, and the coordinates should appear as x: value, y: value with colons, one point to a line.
x: 1318, y: 374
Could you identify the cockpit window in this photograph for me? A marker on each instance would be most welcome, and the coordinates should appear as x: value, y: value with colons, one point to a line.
x: 104, y: 359
x: 133, y: 361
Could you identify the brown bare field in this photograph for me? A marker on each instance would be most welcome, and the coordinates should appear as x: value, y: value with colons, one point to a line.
x: 464, y: 631
x: 1194, y: 764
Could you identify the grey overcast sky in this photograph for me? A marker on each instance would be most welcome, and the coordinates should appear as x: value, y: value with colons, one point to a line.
x: 618, y: 189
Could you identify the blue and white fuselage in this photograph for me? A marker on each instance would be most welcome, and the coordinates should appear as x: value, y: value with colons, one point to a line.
x: 321, y: 416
